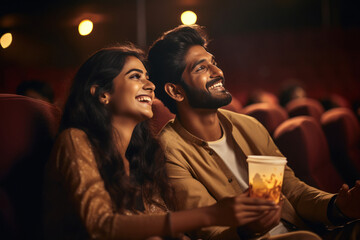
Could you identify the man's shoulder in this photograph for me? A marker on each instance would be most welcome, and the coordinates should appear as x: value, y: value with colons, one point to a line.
x: 239, y: 118
x: 167, y: 134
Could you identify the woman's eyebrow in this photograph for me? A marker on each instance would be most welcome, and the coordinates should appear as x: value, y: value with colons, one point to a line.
x: 134, y: 69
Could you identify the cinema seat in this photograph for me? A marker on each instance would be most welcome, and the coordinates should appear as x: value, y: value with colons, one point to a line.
x: 161, y: 116
x: 303, y: 143
x: 27, y: 130
x: 342, y: 132
x: 235, y: 105
x: 305, y: 107
x: 269, y: 115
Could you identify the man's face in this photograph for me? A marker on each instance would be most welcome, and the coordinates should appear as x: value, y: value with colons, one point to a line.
x: 203, y: 80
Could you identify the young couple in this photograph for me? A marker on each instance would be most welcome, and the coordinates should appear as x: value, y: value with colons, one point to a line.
x: 109, y: 178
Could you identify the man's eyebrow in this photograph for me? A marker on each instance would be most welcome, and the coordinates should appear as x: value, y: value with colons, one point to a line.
x: 213, y: 58
x: 134, y: 69
x: 197, y: 63
x: 202, y: 60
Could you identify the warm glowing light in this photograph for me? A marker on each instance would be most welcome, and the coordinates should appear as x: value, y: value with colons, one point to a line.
x: 6, y: 40
x: 188, y: 17
x: 85, y: 27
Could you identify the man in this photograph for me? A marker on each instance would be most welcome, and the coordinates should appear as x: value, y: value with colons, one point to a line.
x: 206, y: 147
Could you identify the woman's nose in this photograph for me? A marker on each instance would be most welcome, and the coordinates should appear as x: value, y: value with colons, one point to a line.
x: 148, y: 85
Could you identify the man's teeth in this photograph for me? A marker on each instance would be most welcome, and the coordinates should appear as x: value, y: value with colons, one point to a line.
x: 144, y: 99
x: 216, y: 85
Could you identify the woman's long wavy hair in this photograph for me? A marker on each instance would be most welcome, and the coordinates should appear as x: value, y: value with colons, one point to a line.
x: 84, y: 111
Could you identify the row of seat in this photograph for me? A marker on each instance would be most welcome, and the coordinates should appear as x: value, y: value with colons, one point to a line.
x: 322, y: 147
x: 28, y: 128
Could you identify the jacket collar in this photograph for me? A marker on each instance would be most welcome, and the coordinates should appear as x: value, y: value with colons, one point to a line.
x: 179, y: 128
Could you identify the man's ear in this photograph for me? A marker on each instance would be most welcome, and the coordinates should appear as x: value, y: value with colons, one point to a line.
x: 175, y: 91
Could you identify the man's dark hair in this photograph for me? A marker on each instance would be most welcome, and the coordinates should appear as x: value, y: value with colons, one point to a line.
x: 166, y: 58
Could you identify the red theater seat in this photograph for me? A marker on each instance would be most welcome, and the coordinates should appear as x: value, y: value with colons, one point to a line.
x: 235, y: 105
x: 305, y: 107
x: 161, y: 116
x: 303, y: 142
x: 269, y: 115
x: 342, y: 131
x: 27, y: 130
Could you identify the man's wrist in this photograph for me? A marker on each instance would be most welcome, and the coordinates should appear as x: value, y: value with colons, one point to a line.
x: 335, y: 215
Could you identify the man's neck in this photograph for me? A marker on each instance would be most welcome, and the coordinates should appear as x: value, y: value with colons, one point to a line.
x: 202, y: 123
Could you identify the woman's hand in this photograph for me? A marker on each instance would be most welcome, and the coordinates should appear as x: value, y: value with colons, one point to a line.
x: 241, y: 210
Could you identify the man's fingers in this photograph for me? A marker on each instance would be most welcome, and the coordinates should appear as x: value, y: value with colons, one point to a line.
x: 257, y: 208
x: 344, y: 189
x: 254, y: 201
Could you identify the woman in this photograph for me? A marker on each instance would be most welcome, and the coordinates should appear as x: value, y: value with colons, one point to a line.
x: 106, y: 178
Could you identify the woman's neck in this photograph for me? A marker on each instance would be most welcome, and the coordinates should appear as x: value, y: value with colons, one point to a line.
x: 122, y: 136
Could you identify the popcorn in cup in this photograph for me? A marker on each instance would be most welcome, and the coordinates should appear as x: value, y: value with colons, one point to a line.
x: 266, y: 175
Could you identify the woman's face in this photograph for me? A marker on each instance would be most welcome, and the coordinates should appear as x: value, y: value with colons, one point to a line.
x: 133, y: 93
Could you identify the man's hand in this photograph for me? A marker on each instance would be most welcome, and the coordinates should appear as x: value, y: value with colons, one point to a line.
x: 348, y: 200
x: 265, y: 223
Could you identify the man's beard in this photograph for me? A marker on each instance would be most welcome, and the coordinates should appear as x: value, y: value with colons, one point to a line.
x: 199, y: 98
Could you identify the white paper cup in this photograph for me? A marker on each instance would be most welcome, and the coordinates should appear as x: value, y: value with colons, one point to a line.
x: 266, y: 174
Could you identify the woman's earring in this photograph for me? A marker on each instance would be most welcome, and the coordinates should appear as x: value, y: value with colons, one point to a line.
x: 106, y: 102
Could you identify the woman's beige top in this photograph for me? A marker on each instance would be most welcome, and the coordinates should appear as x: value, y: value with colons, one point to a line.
x: 77, y: 205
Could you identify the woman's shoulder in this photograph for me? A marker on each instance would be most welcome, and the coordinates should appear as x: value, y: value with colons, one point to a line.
x: 73, y: 143
x: 72, y: 133
x: 73, y: 137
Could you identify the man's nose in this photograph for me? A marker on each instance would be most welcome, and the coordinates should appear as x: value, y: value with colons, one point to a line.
x: 215, y: 71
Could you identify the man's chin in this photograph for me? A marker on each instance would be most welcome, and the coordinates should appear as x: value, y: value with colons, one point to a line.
x: 222, y: 95
x: 218, y: 102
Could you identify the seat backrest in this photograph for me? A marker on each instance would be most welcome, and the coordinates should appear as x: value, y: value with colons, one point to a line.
x: 305, y: 107
x: 303, y: 143
x: 161, y: 116
x: 235, y: 105
x: 269, y: 115
x: 27, y: 130
x: 342, y: 132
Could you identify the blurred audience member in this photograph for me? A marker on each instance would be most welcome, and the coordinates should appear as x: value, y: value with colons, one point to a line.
x: 333, y: 101
x: 290, y: 91
x: 356, y: 108
x: 262, y: 96
x: 36, y: 89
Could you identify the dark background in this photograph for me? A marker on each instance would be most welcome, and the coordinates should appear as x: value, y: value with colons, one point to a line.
x: 257, y: 43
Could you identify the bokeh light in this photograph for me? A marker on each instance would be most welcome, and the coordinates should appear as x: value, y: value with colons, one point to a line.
x: 188, y: 17
x: 85, y: 27
x: 6, y: 40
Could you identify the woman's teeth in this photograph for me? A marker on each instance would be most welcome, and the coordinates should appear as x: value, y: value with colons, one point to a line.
x: 143, y: 99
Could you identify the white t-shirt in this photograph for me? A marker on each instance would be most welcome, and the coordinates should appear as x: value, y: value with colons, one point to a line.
x: 224, y: 147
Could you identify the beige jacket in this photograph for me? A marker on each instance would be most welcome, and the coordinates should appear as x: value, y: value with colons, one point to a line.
x: 200, y: 177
